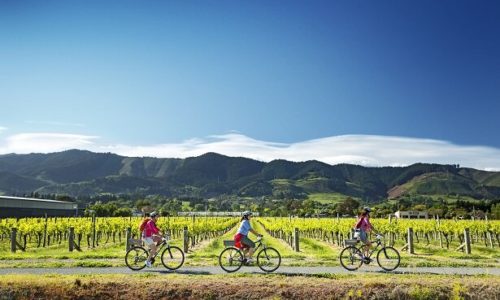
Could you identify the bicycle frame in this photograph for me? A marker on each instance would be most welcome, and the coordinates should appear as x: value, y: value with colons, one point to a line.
x: 160, y: 248
x: 375, y: 249
x: 258, y: 243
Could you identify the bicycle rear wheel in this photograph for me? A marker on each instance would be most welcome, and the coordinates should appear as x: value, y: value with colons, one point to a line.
x: 231, y: 259
x: 388, y: 258
x: 136, y: 257
x: 268, y: 259
x: 172, y: 258
x: 351, y: 258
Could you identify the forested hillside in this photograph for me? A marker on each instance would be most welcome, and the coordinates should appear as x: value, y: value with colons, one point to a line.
x: 83, y: 173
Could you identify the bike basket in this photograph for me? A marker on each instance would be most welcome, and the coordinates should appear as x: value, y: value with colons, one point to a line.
x: 229, y: 243
x: 350, y: 242
x: 134, y: 242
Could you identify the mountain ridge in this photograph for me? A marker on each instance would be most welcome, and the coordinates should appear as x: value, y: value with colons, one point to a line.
x: 84, y: 173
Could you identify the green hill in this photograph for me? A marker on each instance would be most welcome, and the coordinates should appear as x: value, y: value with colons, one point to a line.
x: 83, y: 173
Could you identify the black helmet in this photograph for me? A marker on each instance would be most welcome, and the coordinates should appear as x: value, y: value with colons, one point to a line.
x: 247, y: 213
x: 367, y: 209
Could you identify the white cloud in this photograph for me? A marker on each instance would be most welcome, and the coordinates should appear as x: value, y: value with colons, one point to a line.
x: 2, y: 129
x: 45, y: 142
x: 367, y: 150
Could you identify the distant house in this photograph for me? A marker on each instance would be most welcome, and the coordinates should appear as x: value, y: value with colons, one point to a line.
x: 409, y: 214
x: 18, y: 207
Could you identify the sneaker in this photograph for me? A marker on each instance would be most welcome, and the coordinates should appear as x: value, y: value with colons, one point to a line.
x: 148, y: 264
x: 249, y: 261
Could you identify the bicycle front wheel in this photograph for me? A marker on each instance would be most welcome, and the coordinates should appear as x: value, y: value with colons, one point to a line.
x: 172, y: 258
x: 231, y: 259
x: 268, y: 259
x: 351, y: 258
x: 388, y: 258
x: 136, y: 258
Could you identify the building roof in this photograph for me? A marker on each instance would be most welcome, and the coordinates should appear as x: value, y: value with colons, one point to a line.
x: 33, y: 203
x: 33, y: 199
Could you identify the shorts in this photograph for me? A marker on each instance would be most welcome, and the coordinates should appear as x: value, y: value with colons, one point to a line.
x: 363, y: 236
x: 149, y: 241
x: 247, y: 242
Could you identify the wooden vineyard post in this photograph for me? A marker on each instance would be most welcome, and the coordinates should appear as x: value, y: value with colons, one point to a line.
x: 94, y: 233
x: 490, y: 239
x: 296, y: 240
x: 411, y: 250
x: 128, y: 236
x: 466, y: 243
x: 72, y: 244
x: 186, y: 239
x: 45, y: 232
x: 409, y: 244
x: 71, y: 238
x: 13, y: 236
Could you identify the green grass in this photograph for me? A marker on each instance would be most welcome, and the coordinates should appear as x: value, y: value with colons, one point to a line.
x: 312, y: 253
x: 328, y: 198
x: 282, y: 182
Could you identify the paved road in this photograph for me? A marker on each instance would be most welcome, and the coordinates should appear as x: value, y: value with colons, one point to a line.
x: 282, y: 270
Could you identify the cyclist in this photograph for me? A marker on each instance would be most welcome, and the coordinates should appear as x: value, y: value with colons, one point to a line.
x: 145, y: 221
x: 152, y: 235
x: 363, y: 226
x: 241, y: 239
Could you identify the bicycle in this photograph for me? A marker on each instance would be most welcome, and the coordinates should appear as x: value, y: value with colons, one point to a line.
x: 232, y: 259
x: 172, y: 257
x: 351, y: 258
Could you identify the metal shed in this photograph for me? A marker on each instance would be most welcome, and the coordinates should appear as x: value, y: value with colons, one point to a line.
x: 32, y: 207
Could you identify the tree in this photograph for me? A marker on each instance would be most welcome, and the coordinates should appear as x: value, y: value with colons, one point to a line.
x: 63, y: 198
x: 419, y: 207
x: 495, y: 211
x: 142, y: 203
x: 347, y: 207
x: 199, y: 207
x: 101, y: 210
x: 171, y: 207
x: 437, y: 211
x: 123, y: 212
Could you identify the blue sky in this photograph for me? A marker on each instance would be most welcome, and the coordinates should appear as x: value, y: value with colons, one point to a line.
x: 177, y: 78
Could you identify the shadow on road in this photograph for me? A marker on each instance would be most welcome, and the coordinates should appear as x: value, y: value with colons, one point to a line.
x: 184, y: 272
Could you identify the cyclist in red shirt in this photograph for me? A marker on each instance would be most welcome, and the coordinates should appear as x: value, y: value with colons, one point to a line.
x: 152, y: 235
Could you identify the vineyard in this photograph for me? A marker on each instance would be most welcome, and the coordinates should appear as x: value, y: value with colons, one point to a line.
x: 301, y: 241
x: 91, y: 232
x: 335, y: 231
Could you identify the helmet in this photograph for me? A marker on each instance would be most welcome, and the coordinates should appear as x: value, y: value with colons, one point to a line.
x: 367, y: 209
x: 247, y: 213
x: 154, y: 214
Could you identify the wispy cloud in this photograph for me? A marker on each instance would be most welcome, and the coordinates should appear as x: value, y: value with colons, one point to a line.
x: 45, y: 142
x: 2, y: 129
x: 367, y: 150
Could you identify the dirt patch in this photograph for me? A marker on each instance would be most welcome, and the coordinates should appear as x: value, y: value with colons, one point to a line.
x: 248, y: 287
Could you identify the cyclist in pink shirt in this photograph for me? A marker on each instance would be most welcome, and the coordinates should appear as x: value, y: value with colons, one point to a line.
x: 152, y: 235
x: 363, y: 226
